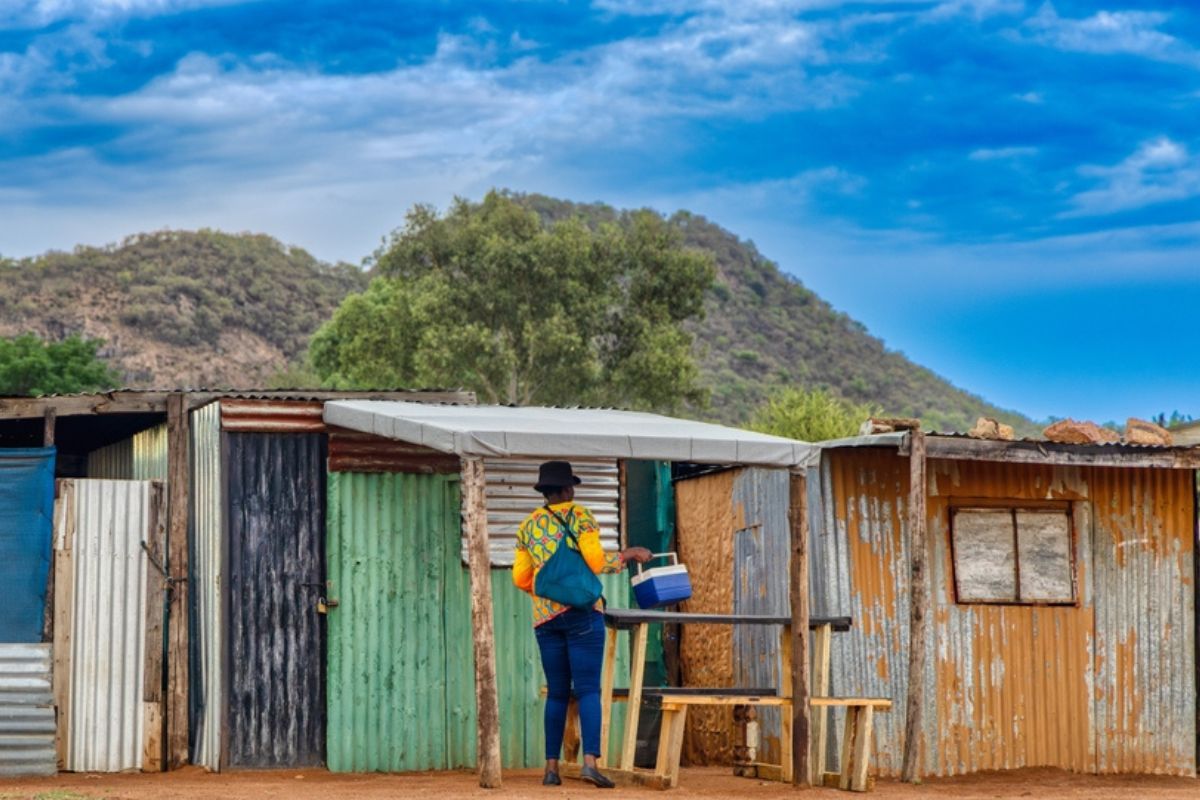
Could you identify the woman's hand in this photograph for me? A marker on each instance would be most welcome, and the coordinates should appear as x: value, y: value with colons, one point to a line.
x: 638, y: 554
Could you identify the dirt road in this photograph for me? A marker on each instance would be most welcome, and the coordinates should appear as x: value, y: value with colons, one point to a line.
x: 195, y: 784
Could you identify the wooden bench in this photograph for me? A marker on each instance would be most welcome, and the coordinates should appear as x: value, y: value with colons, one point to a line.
x: 856, y: 739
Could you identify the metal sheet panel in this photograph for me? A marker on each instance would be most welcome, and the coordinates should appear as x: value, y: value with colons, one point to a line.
x: 353, y: 451
x: 272, y: 416
x: 114, y: 462
x: 401, y: 667
x: 150, y: 454
x: 275, y: 516
x: 511, y: 497
x: 26, y: 711
x: 108, y: 625
x: 1145, y: 685
x: 761, y: 585
x: 206, y: 567
x: 26, y: 511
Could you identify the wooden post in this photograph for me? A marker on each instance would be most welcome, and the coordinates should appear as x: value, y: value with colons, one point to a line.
x: 798, y: 521
x: 787, y: 765
x: 633, y: 710
x: 822, y: 642
x: 178, y: 485
x: 919, y: 597
x: 487, y: 703
x: 48, y: 427
x: 607, y: 679
x: 152, y: 686
x: 64, y: 603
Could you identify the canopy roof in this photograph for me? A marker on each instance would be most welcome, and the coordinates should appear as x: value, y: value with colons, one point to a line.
x: 499, y: 431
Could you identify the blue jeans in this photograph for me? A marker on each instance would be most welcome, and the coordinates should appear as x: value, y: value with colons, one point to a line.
x: 572, y: 646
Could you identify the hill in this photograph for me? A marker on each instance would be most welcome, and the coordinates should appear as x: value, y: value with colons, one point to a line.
x: 178, y: 308
x: 207, y: 308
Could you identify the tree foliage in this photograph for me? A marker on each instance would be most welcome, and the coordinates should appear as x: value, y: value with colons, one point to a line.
x: 811, y: 415
x: 31, y: 367
x: 493, y: 298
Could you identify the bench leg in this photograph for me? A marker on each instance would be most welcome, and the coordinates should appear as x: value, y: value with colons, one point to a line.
x: 634, y: 709
x: 670, y: 744
x: 606, y: 692
x: 862, y: 748
x: 847, y: 762
x: 571, y: 734
x: 822, y: 641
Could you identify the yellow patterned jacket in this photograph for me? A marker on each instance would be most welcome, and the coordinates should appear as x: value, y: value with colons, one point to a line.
x: 538, y: 538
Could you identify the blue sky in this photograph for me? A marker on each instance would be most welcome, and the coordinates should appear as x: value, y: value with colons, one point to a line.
x: 1007, y: 191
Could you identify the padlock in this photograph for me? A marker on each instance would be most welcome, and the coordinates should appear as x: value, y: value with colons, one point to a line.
x: 322, y: 606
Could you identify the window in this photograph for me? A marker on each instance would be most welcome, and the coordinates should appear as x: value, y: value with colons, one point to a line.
x: 1013, y: 555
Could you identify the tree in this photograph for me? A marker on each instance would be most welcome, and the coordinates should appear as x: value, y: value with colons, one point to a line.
x: 492, y: 298
x: 810, y: 415
x: 29, y: 366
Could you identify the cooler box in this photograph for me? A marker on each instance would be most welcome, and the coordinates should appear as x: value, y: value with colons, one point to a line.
x: 662, y: 586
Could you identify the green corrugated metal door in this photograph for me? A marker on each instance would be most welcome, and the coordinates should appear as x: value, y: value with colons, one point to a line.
x: 396, y: 698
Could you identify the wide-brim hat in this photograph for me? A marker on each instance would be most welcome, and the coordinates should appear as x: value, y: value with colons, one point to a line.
x: 555, y: 475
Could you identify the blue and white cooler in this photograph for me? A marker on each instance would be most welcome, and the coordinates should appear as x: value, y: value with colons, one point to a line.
x: 662, y: 586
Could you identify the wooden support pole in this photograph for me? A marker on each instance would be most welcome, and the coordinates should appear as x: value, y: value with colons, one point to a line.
x: 156, y: 583
x: 637, y: 671
x: 487, y: 703
x: 64, y: 606
x: 178, y: 491
x: 798, y: 521
x: 48, y: 419
x: 910, y: 770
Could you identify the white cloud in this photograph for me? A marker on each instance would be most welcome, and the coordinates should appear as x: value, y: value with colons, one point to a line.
x: 1112, y: 32
x: 1001, y: 153
x: 39, y: 13
x: 1160, y: 170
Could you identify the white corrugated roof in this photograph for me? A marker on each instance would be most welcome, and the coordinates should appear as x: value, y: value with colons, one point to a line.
x: 503, y: 431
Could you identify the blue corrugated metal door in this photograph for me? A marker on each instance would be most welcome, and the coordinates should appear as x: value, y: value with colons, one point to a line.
x: 26, y: 524
x: 275, y: 511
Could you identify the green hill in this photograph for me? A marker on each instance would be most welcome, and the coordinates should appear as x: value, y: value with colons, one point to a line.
x: 207, y: 308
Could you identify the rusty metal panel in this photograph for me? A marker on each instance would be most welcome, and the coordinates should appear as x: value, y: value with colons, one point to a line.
x: 207, y: 568
x: 26, y: 711
x: 105, y: 729
x: 511, y: 497
x: 352, y: 451
x: 1145, y: 647
x: 275, y: 515
x: 272, y: 416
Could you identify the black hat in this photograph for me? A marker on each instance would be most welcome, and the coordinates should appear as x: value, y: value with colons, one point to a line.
x: 555, y: 475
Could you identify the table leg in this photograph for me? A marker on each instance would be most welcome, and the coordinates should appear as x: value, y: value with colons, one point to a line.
x: 862, y: 748
x: 787, y: 760
x: 637, y: 672
x: 571, y: 734
x: 606, y: 692
x: 848, y: 735
x: 670, y: 744
x: 822, y: 642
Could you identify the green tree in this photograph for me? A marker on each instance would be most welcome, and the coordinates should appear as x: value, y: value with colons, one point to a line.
x: 493, y: 298
x: 29, y: 366
x: 811, y: 415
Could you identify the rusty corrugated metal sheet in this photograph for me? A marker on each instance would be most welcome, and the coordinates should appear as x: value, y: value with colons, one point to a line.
x: 275, y: 516
x: 272, y: 416
x: 1145, y: 620
x: 207, y: 568
x: 1074, y: 687
x: 106, y: 723
x: 26, y: 711
x: 352, y: 451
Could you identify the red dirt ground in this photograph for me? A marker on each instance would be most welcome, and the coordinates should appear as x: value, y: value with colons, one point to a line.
x: 195, y: 784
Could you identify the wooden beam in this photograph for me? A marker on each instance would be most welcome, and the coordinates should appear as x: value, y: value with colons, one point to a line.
x: 798, y: 522
x: 48, y: 426
x: 821, y: 646
x: 918, y: 609
x: 1095, y: 455
x: 64, y: 599
x: 607, y: 678
x: 487, y: 702
x: 178, y: 482
x: 156, y: 584
x: 637, y: 671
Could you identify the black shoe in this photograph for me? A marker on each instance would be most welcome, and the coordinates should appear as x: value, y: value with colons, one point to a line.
x: 551, y: 779
x: 595, y: 778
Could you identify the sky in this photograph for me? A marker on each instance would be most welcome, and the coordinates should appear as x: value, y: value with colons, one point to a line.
x: 1008, y: 192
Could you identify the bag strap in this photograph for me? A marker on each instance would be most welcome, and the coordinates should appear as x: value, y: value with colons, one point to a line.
x: 565, y: 526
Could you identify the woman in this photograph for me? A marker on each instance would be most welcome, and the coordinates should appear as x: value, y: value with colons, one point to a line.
x: 571, y: 640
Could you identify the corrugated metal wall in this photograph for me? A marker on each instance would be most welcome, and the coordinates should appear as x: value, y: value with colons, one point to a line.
x: 401, y: 666
x: 142, y: 457
x: 275, y: 513
x: 206, y: 567
x: 1100, y: 686
x: 105, y: 724
x: 510, y: 497
x: 26, y: 711
x: 26, y: 524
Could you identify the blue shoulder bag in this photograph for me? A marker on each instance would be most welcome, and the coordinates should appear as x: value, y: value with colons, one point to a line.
x: 565, y: 577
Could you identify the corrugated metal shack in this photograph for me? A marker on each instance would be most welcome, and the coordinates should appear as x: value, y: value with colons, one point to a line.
x: 408, y: 479
x: 1057, y: 585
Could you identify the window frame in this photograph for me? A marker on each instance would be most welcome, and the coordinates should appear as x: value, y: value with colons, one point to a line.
x: 1066, y: 507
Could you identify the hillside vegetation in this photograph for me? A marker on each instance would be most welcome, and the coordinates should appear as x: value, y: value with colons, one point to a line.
x: 176, y: 308
x: 214, y: 309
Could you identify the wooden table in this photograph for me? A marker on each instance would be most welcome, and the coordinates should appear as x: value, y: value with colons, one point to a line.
x: 676, y: 701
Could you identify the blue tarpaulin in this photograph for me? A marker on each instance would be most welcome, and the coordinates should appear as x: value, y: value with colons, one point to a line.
x: 26, y: 526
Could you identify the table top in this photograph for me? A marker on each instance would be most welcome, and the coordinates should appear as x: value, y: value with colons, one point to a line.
x: 623, y: 618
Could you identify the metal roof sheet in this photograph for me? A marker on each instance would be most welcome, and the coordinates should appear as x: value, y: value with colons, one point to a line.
x: 502, y: 431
